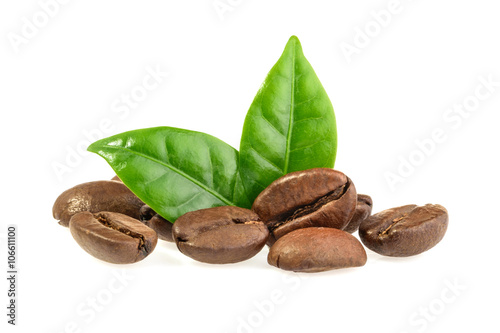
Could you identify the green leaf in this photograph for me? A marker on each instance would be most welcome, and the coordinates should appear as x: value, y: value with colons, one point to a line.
x: 290, y: 125
x: 173, y: 170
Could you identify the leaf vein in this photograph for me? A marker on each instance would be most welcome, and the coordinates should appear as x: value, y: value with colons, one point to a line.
x: 272, y: 125
x: 178, y: 171
x: 190, y: 199
x: 305, y: 147
x: 267, y: 160
x: 290, y: 120
x: 305, y: 119
x: 306, y: 101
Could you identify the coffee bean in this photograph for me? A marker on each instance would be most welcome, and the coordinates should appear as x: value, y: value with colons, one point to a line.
x: 153, y: 220
x: 220, y: 235
x: 363, y: 210
x: 319, y: 197
x: 404, y: 231
x: 316, y: 250
x: 146, y: 213
x: 113, y: 237
x: 94, y: 197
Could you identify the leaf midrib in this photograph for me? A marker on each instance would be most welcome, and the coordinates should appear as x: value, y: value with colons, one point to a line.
x: 176, y: 170
x: 290, y: 120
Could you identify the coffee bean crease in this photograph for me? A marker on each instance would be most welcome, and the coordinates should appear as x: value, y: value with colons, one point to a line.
x: 122, y: 229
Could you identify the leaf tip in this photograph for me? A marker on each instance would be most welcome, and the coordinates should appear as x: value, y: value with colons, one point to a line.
x: 293, y: 45
x: 293, y: 41
x: 93, y: 147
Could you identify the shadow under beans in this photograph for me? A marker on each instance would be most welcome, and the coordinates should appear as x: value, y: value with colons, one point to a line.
x: 257, y: 262
x: 374, y: 257
x: 332, y: 272
x: 165, y: 253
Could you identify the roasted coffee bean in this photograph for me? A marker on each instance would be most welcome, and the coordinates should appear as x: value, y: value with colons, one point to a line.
x: 94, y: 197
x: 311, y: 198
x: 153, y: 220
x: 363, y: 210
x: 113, y: 237
x: 146, y: 213
x: 220, y: 235
x: 316, y: 250
x: 162, y: 227
x: 404, y: 231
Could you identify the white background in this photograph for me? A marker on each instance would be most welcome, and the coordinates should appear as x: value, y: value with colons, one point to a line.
x: 67, y: 77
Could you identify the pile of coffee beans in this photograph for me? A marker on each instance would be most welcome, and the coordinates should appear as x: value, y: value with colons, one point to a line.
x: 305, y: 217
